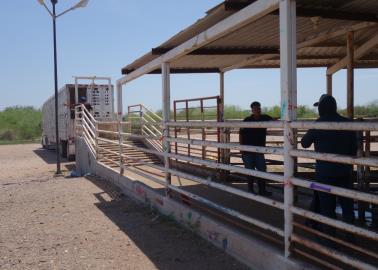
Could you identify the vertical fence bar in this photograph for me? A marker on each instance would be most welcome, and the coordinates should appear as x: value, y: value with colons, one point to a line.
x: 175, y: 119
x: 166, y: 118
x: 187, y: 119
x: 361, y: 176
x: 329, y: 84
x: 203, y: 129
x: 350, y: 75
x: 220, y: 118
x: 76, y: 92
x: 119, y: 119
x: 288, y: 105
x: 96, y: 140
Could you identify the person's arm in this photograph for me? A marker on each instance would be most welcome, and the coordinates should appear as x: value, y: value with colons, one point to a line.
x: 354, y: 143
x: 308, y: 139
x: 241, y: 136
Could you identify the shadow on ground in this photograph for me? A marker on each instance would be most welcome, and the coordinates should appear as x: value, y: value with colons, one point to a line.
x: 162, y: 240
x: 48, y: 156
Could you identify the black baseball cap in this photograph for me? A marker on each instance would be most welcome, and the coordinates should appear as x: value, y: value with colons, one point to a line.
x: 321, y: 98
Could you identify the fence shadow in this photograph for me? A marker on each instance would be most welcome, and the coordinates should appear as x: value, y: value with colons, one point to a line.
x: 162, y: 240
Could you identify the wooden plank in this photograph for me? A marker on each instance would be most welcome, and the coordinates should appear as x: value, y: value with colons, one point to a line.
x: 359, y: 52
x: 324, y: 36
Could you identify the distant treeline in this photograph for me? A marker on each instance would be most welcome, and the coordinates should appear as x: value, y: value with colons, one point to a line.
x: 303, y: 112
x: 20, y: 124
x: 236, y: 112
x: 25, y: 123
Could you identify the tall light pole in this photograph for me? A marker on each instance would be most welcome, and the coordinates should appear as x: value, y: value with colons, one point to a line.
x: 81, y: 3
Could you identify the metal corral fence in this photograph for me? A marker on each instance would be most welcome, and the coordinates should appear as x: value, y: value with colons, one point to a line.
x: 358, y: 252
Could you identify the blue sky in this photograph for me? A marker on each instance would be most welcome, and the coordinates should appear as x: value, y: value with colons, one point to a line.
x: 107, y: 35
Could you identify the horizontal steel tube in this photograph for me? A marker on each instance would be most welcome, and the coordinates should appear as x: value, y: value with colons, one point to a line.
x: 145, y: 175
x: 372, y: 126
x: 85, y: 125
x: 236, y: 124
x: 349, y: 193
x: 228, y: 211
x: 158, y: 167
x: 112, y: 161
x: 89, y: 121
x: 337, y: 240
x: 364, y: 161
x: 107, y: 131
x: 232, y: 190
x: 137, y: 136
x: 264, y: 175
x: 331, y: 253
x: 215, y: 165
x: 233, y: 146
x: 335, y: 223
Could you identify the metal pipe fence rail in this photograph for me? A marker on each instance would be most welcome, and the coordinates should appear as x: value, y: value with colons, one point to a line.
x: 368, y: 246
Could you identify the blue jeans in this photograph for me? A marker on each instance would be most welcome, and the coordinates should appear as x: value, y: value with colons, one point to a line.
x: 327, y: 201
x: 255, y: 161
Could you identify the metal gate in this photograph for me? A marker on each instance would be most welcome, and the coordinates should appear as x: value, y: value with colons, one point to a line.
x: 197, y: 109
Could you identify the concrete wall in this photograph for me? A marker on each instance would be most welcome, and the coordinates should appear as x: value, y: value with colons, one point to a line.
x: 253, y: 252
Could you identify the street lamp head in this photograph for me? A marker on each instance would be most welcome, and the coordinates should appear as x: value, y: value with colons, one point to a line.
x: 81, y: 4
x: 41, y: 2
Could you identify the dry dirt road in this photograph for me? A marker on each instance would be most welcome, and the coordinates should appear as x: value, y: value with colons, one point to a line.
x: 51, y: 222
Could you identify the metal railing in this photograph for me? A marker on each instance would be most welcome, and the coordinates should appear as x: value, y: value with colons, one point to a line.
x: 302, y: 235
x: 86, y: 126
x: 139, y: 118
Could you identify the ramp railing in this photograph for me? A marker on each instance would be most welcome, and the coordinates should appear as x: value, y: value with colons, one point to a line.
x: 86, y: 127
x: 140, y: 118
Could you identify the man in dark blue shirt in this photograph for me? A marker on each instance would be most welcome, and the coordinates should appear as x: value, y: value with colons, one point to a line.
x: 256, y: 137
x: 337, y: 174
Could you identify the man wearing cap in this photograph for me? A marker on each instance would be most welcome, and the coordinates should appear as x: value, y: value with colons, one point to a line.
x: 336, y: 174
x: 83, y: 100
x: 256, y: 137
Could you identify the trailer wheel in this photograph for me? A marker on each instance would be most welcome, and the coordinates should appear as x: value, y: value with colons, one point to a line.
x: 69, y: 157
x: 45, y: 143
x: 63, y: 149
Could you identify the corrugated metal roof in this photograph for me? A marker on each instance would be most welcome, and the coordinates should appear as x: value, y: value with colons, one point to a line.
x: 261, y: 37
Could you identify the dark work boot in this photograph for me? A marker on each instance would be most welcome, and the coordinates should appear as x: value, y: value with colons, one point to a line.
x: 262, y: 189
x: 250, y: 186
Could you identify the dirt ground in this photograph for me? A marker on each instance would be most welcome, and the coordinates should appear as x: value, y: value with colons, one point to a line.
x: 51, y: 222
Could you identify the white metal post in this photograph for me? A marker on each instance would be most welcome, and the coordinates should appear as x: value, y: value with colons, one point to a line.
x: 288, y: 105
x: 166, y: 102
x: 76, y: 92
x: 119, y: 119
x: 329, y: 84
x: 350, y: 75
x: 96, y: 141
x: 221, y: 113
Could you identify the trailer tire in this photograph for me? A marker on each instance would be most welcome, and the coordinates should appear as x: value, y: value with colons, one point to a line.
x: 63, y: 149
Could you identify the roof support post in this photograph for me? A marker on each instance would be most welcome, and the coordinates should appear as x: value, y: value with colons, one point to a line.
x: 288, y: 105
x: 221, y: 95
x: 329, y: 84
x: 76, y: 92
x: 221, y: 116
x: 350, y: 75
x: 119, y: 120
x: 166, y: 104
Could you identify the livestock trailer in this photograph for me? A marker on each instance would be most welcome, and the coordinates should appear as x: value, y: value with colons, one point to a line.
x: 99, y: 96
